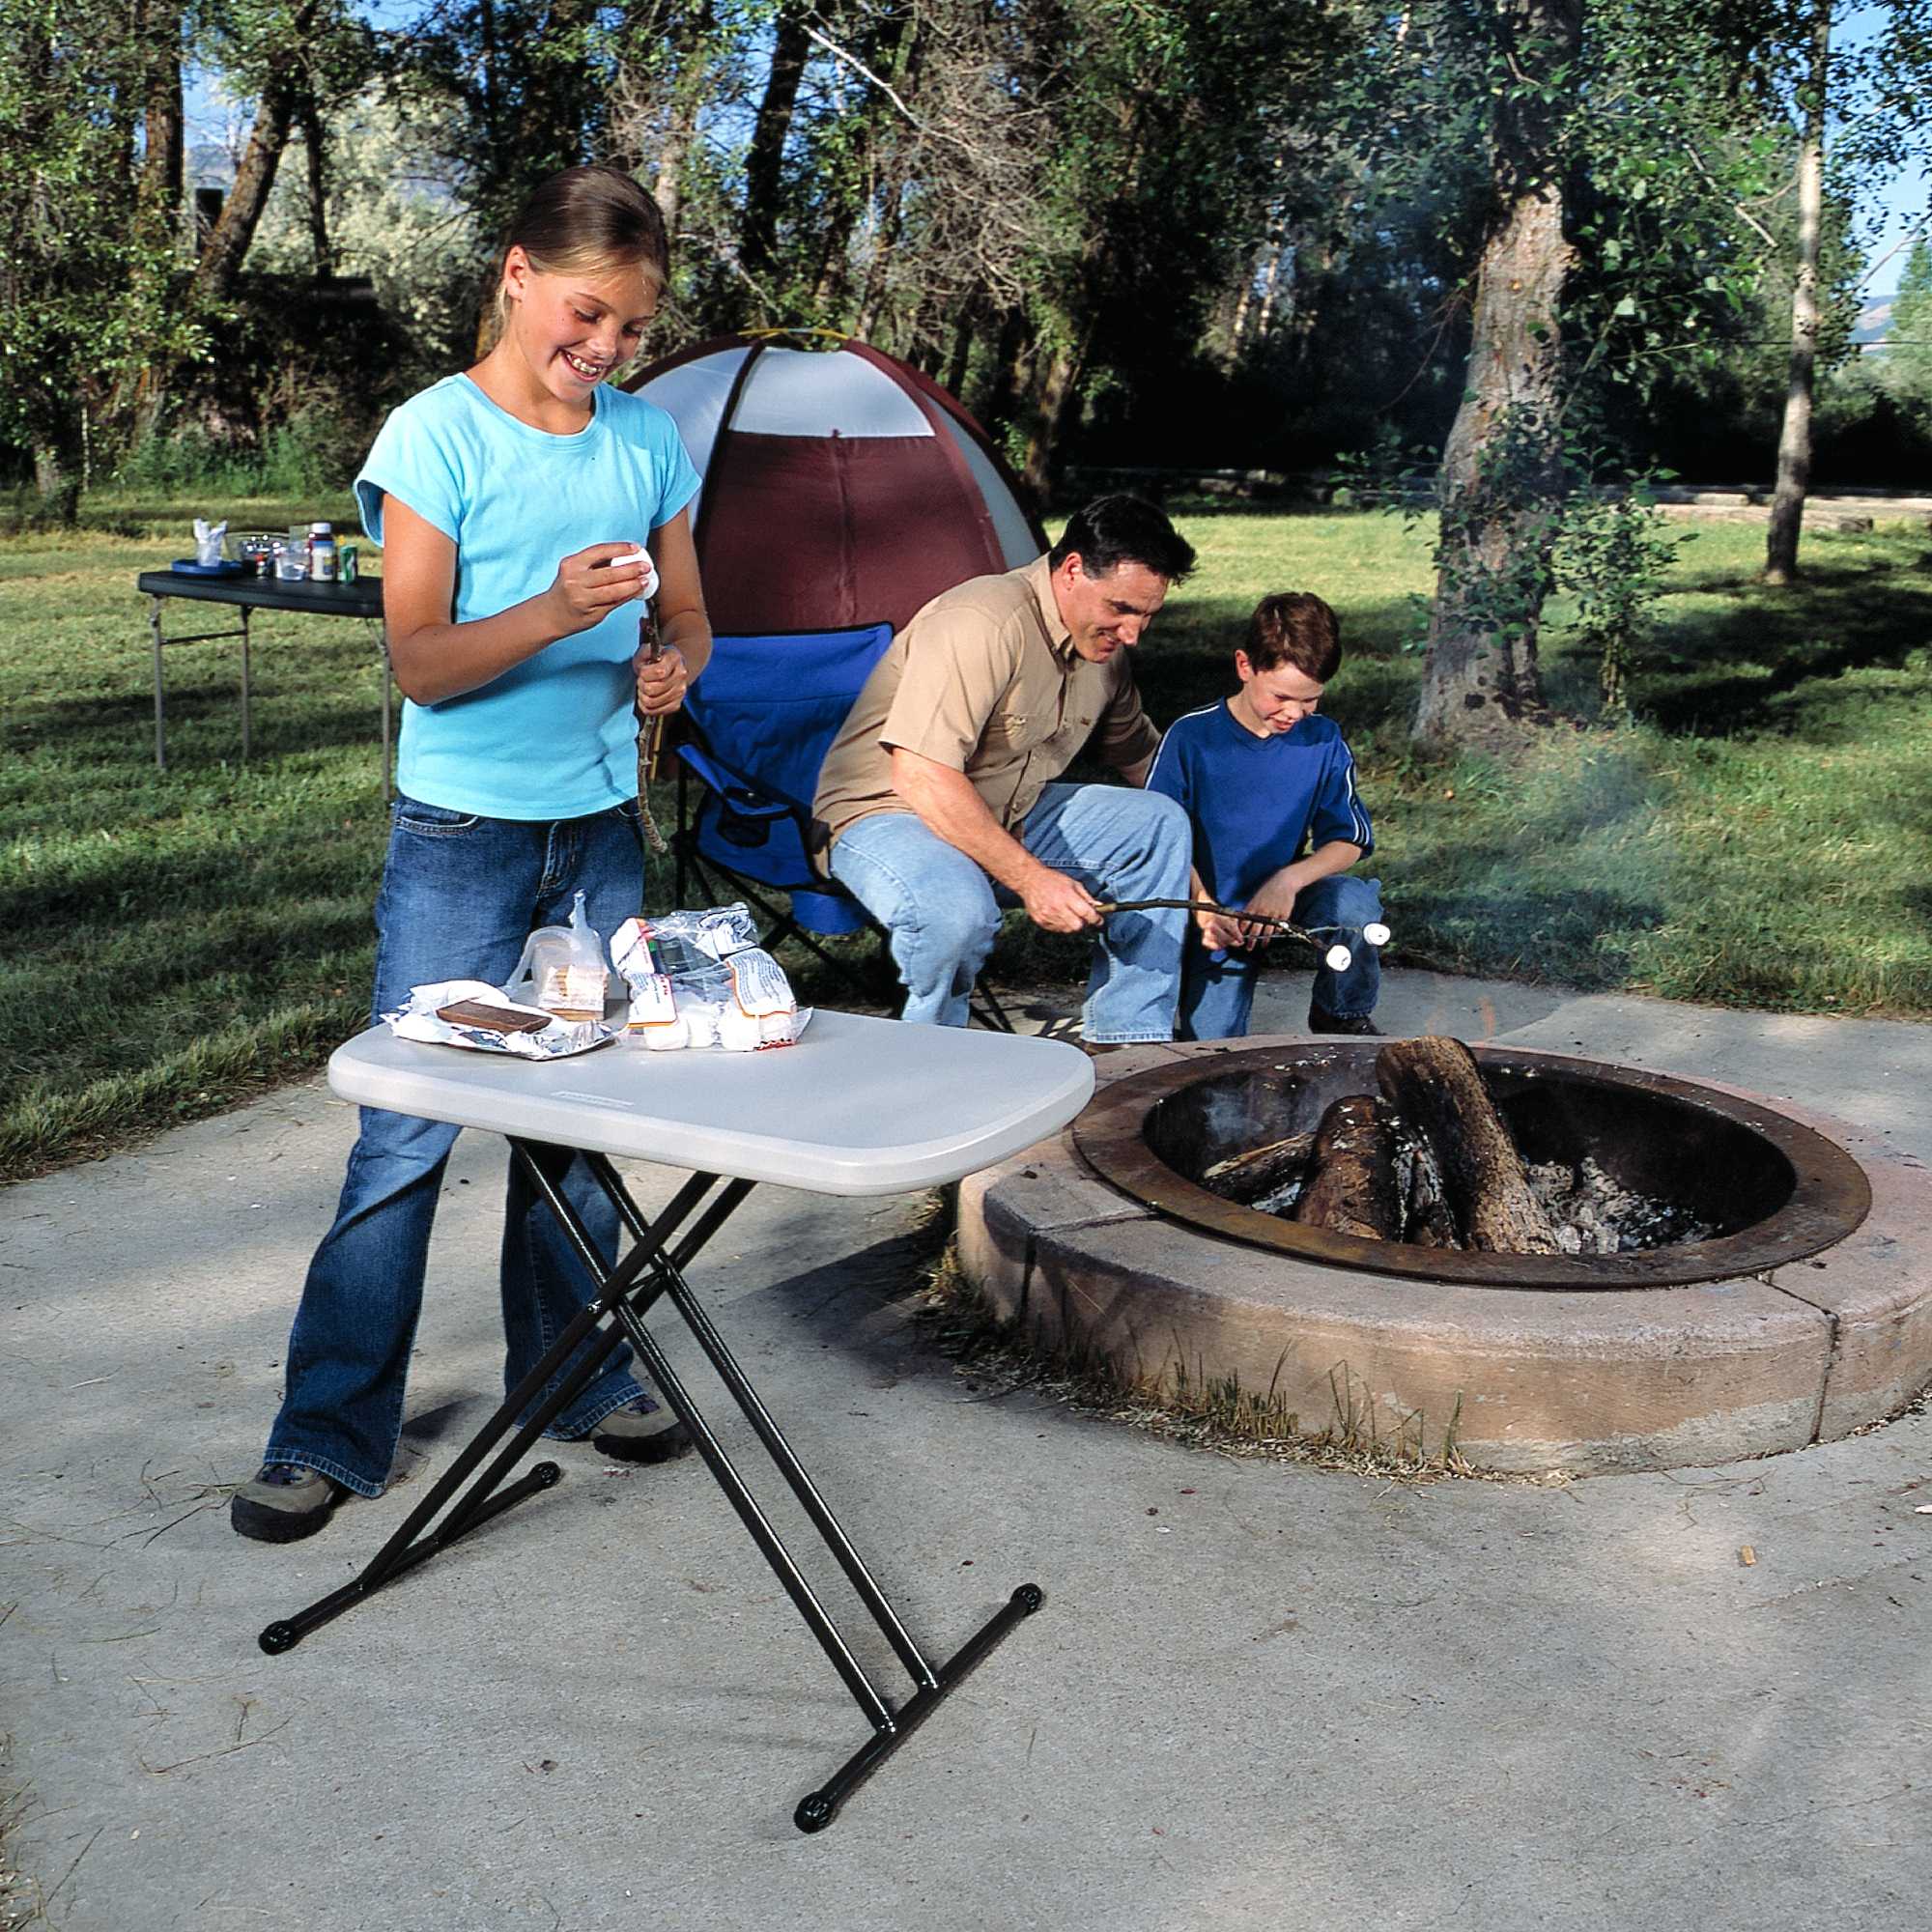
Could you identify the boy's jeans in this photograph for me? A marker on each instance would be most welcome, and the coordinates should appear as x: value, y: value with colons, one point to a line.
x: 1217, y: 989
x: 944, y: 912
x: 460, y: 895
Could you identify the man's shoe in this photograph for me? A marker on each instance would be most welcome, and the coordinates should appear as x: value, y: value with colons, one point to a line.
x: 1351, y: 1023
x: 283, y: 1503
x: 645, y: 1431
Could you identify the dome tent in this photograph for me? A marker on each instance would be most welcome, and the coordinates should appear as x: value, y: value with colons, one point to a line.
x: 840, y: 487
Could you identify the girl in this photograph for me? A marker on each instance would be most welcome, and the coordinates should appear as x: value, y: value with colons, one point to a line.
x: 503, y: 498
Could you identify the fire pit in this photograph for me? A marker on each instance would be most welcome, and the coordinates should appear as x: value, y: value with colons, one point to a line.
x: 1802, y: 1313
x: 1773, y: 1189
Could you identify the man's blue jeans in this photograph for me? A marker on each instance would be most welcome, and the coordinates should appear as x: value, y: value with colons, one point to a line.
x: 460, y: 895
x: 1217, y: 989
x: 942, y: 911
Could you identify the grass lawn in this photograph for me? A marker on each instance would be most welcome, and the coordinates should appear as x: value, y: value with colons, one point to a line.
x: 1760, y: 837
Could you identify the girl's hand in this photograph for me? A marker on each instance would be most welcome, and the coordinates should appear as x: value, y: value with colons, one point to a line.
x: 588, y: 587
x: 662, y: 681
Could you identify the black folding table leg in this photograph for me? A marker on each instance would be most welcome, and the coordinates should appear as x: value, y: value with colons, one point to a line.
x: 403, y: 1551
x: 890, y: 1727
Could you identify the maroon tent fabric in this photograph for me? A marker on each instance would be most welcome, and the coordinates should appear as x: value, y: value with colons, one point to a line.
x: 840, y: 487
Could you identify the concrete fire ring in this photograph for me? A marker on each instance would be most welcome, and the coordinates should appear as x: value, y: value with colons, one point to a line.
x: 1516, y: 1379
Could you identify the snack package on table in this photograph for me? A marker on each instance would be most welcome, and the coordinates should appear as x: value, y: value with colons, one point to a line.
x: 654, y: 1022
x: 564, y: 967
x: 726, y: 989
x: 470, y: 1013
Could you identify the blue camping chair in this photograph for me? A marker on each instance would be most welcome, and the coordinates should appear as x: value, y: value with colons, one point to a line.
x: 757, y: 727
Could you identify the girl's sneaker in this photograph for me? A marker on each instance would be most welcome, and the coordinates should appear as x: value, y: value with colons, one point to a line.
x: 283, y: 1503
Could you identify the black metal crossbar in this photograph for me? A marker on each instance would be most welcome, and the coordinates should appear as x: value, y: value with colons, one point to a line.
x: 650, y: 1271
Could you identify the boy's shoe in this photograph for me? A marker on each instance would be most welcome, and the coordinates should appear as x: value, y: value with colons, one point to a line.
x: 1352, y: 1023
x: 645, y: 1431
x: 282, y: 1503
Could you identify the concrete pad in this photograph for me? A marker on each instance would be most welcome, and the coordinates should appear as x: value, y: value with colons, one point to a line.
x: 1259, y: 1699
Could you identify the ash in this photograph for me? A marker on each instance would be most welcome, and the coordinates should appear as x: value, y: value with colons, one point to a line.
x: 1281, y: 1200
x: 1593, y: 1214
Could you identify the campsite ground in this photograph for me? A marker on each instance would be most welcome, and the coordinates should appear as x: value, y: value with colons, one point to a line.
x: 1759, y: 837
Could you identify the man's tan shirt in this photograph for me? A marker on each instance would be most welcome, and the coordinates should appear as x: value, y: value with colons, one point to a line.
x: 984, y: 680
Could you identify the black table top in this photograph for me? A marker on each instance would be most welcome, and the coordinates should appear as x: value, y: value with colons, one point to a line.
x: 362, y: 599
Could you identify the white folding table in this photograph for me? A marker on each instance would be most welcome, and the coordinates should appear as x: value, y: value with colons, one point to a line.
x: 858, y: 1107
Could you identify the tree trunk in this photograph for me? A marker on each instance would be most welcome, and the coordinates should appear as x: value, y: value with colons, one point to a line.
x: 1435, y: 1085
x: 764, y: 160
x: 226, y: 248
x: 1059, y: 397
x: 1352, y: 1190
x: 1794, y: 442
x: 1502, y: 466
x: 162, y: 171
x: 316, y: 143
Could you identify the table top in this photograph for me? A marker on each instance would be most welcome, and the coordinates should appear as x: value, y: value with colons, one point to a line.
x: 858, y: 1106
x: 362, y: 599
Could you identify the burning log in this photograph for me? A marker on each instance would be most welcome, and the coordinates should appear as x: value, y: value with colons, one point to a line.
x: 1247, y: 1175
x: 1353, y: 1189
x: 1435, y: 1085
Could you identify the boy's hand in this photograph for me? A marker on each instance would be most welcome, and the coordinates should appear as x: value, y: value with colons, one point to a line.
x: 1276, y: 900
x: 1220, y: 931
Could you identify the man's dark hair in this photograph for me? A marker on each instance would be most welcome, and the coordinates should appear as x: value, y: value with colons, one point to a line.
x: 1295, y: 627
x: 1112, y: 531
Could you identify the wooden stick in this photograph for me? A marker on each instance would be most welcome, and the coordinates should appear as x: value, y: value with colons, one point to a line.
x: 1286, y: 927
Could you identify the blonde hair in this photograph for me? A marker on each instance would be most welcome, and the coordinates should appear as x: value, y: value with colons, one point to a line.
x: 588, y: 219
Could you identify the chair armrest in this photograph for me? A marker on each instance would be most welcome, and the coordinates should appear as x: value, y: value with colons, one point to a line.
x: 744, y: 797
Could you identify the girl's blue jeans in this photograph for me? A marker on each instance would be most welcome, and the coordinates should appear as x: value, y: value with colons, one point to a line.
x: 460, y: 895
x: 942, y: 911
x: 1217, y: 989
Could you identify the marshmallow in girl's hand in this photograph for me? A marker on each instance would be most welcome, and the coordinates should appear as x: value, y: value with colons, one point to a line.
x: 641, y: 556
x: 1377, y: 934
x: 1339, y: 957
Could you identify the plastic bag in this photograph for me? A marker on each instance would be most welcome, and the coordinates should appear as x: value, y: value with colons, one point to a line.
x: 208, y: 541
x: 728, y: 991
x: 565, y: 967
x: 654, y: 1021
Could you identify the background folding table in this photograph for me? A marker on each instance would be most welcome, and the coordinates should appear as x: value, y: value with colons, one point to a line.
x: 858, y: 1107
x: 362, y: 599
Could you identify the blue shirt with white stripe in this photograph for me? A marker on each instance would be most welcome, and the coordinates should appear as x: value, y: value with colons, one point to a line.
x: 1257, y: 803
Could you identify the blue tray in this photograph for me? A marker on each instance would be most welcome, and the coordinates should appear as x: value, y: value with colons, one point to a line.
x: 187, y: 567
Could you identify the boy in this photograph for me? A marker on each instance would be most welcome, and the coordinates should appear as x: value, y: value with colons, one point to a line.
x: 1259, y: 775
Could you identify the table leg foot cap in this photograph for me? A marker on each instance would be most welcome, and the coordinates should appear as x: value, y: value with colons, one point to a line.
x: 278, y: 1637
x: 1029, y: 1597
x: 547, y: 1475
x: 813, y: 1813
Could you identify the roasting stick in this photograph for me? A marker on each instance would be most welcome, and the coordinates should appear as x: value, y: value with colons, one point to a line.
x: 650, y: 731
x: 1338, y: 955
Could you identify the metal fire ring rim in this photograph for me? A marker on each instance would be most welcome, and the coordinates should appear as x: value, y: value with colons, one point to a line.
x: 1831, y: 1199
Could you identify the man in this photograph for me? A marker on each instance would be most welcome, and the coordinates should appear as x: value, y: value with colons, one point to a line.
x: 939, y: 800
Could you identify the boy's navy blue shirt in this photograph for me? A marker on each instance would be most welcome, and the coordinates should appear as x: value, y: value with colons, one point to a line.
x: 1255, y: 802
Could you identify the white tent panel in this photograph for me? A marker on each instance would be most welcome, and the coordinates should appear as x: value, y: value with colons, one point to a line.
x: 1017, y: 544
x: 797, y: 393
x: 696, y: 393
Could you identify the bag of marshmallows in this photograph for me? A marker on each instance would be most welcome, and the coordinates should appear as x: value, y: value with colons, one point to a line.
x: 701, y: 978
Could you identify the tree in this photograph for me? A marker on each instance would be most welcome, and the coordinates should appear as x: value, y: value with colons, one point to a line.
x: 1908, y: 355
x: 1501, y: 479
x: 86, y: 239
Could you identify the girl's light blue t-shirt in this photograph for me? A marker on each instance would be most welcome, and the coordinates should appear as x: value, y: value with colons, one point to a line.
x: 554, y: 736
